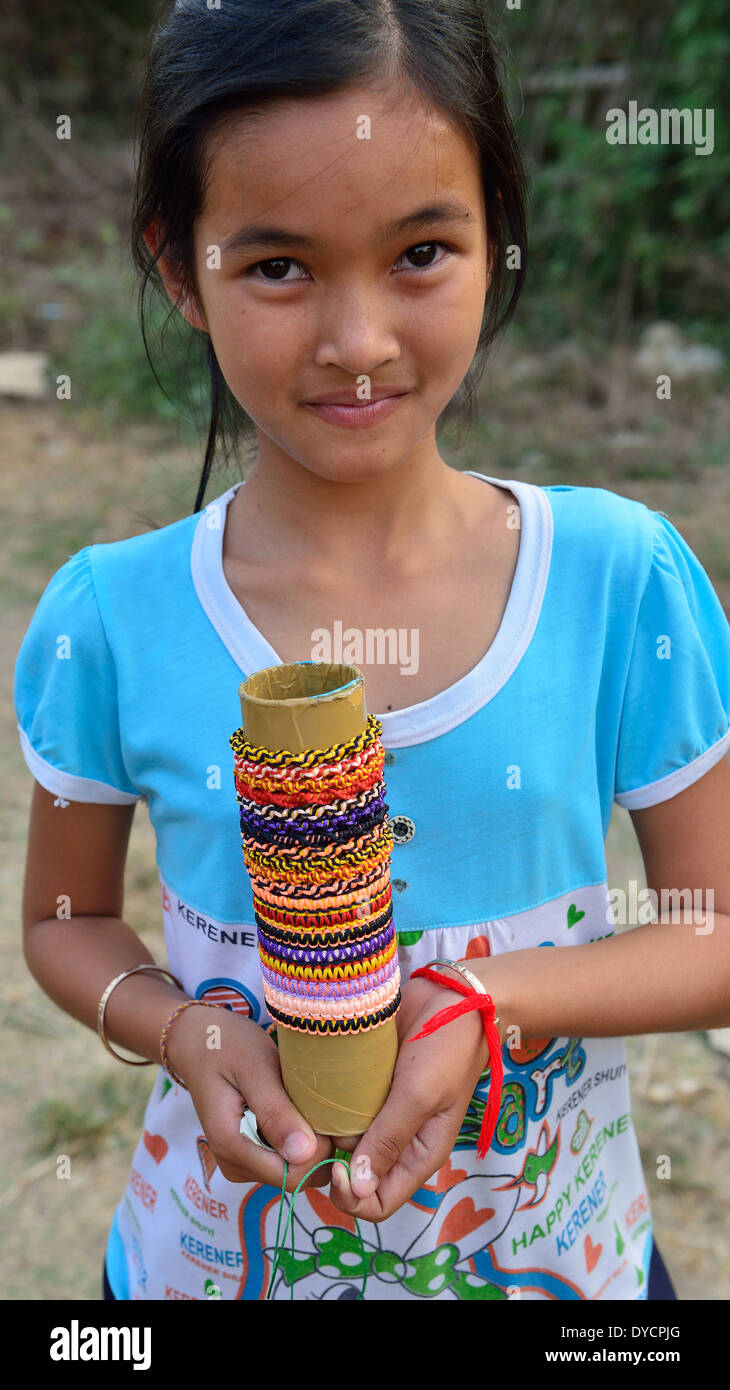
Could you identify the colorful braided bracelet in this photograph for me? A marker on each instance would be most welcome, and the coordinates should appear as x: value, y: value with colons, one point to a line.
x: 316, y: 842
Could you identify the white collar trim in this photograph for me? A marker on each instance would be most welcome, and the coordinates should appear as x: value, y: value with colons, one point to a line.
x: 451, y: 707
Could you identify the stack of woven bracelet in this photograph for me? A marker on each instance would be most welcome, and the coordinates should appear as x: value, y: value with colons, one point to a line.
x: 316, y: 843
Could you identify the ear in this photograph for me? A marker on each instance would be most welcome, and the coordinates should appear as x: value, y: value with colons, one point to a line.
x: 184, y: 302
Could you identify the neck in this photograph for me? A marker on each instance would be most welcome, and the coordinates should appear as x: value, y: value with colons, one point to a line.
x: 391, y: 522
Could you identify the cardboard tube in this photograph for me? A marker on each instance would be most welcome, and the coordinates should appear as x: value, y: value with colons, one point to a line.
x: 338, y: 1081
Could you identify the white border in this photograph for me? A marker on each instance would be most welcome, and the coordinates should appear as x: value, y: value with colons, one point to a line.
x: 67, y: 785
x: 420, y: 722
x: 654, y: 792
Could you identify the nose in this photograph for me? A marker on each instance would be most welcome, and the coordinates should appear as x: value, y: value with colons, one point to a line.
x: 358, y: 330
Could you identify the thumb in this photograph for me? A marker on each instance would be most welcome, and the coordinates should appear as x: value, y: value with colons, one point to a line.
x: 380, y: 1148
x: 277, y: 1118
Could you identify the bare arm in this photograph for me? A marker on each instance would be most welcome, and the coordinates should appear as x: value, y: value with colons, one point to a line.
x: 76, y: 860
x: 75, y: 865
x: 670, y: 975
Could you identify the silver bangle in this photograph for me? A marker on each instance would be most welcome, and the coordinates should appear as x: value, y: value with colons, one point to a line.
x: 472, y: 980
x: 101, y: 1009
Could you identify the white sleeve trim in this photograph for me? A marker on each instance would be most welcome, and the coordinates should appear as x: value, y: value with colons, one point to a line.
x: 68, y: 786
x: 654, y: 792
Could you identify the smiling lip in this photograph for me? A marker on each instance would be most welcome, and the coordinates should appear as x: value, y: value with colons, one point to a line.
x: 356, y: 416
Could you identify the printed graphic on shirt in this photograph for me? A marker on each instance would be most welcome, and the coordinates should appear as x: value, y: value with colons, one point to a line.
x: 207, y: 1161
x: 558, y: 1209
x: 231, y: 994
x: 465, y: 1214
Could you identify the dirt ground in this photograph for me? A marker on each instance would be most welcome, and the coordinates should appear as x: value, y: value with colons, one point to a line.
x: 63, y: 487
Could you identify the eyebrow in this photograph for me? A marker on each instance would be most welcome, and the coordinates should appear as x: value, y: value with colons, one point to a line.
x: 259, y: 235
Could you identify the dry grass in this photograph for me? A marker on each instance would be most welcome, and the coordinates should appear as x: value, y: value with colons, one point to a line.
x: 66, y: 485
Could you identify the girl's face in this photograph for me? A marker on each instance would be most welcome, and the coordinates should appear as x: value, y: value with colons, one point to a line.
x: 340, y: 293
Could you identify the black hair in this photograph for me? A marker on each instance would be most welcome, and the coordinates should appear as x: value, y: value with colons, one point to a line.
x: 207, y: 66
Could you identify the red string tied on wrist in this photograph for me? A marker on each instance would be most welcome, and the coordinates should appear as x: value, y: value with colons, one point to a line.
x: 485, y: 1004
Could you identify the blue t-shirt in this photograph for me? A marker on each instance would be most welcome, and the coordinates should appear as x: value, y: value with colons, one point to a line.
x: 608, y: 680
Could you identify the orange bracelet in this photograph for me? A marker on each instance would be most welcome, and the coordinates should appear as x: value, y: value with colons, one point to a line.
x: 209, y: 1004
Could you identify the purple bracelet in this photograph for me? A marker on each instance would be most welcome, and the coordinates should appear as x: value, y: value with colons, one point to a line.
x: 327, y: 955
x: 322, y: 831
x: 331, y: 989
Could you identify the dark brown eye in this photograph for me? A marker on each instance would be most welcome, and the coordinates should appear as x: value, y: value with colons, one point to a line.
x: 426, y: 248
x: 281, y: 263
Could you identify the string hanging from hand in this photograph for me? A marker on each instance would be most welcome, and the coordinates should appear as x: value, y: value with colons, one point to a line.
x: 340, y: 1157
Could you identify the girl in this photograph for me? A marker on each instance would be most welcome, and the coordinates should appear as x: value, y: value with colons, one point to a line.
x: 331, y: 192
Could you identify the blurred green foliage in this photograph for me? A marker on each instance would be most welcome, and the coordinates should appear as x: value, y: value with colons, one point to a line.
x: 618, y: 235
x: 106, y: 360
x: 76, y: 55
x: 620, y: 232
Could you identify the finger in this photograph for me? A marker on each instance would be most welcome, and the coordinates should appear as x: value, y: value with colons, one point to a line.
x: 302, y: 1172
x: 251, y: 1162
x: 419, y: 1160
x: 254, y: 1164
x: 320, y: 1178
x: 270, y: 1164
x: 393, y: 1128
x: 348, y: 1142
x: 277, y: 1118
x: 401, y: 1117
x: 279, y: 1123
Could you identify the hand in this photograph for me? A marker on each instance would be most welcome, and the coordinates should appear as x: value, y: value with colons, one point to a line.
x: 414, y: 1133
x: 246, y: 1066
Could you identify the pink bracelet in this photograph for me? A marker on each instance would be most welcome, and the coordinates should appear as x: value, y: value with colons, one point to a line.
x: 163, y: 1039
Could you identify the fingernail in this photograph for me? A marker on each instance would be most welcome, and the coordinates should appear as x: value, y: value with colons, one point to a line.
x: 364, y: 1176
x: 338, y: 1176
x: 296, y: 1147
